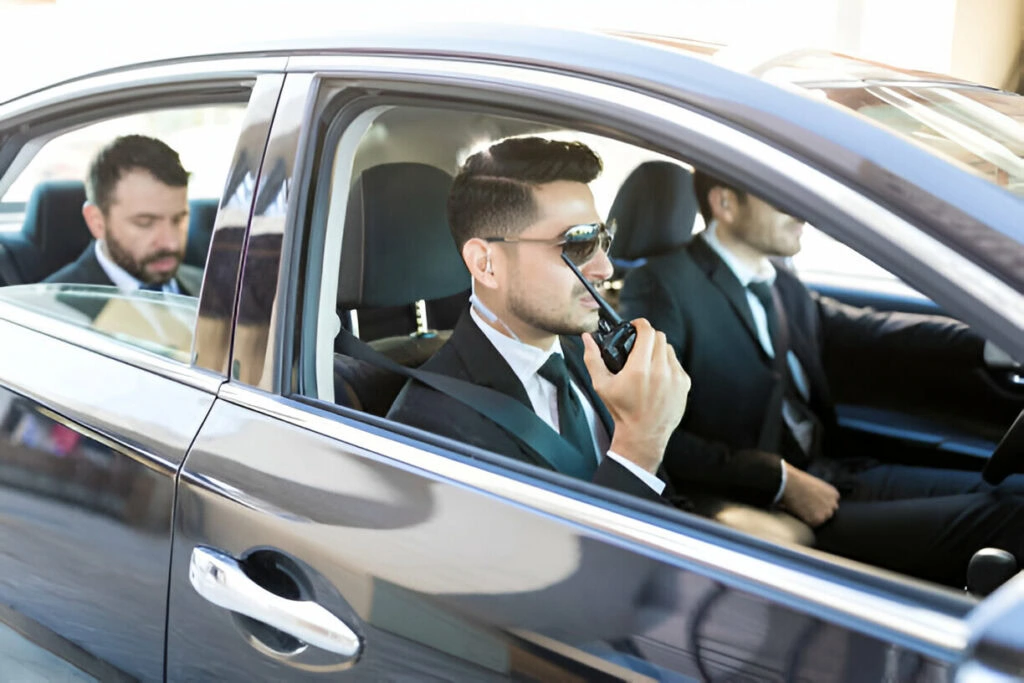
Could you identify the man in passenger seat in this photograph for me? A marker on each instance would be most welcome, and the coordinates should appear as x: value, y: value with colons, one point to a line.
x: 137, y: 211
x: 525, y: 331
x: 761, y: 428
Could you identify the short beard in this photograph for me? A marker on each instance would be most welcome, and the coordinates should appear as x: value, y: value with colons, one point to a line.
x: 137, y: 269
x: 548, y: 321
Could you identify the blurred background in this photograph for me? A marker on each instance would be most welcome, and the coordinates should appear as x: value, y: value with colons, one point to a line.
x: 978, y: 40
x: 47, y: 40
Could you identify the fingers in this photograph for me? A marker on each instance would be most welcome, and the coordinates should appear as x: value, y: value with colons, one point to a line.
x: 643, y: 347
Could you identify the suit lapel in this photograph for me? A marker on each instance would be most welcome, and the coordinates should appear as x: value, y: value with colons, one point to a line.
x: 483, y: 363
x: 486, y: 367
x: 724, y: 279
x: 90, y: 270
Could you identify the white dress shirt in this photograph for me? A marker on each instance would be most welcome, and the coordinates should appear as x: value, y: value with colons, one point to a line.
x: 124, y: 280
x: 803, y: 431
x: 525, y: 361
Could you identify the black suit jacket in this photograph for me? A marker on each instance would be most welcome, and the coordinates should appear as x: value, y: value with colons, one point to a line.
x: 692, y: 296
x: 86, y: 270
x: 469, y: 355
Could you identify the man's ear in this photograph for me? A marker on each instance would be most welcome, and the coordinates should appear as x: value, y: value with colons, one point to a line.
x: 723, y: 204
x: 94, y: 219
x: 476, y: 253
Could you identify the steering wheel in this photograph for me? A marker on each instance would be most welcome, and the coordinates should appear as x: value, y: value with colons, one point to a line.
x: 1008, y: 456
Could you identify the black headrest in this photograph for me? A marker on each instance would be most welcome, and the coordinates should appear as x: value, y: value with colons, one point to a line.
x: 54, y: 222
x: 201, y: 215
x: 397, y: 247
x: 654, y: 209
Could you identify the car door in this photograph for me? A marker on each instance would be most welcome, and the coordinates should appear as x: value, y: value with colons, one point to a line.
x: 315, y: 541
x: 97, y: 416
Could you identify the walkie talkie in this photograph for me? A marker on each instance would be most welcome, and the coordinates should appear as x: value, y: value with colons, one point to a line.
x: 614, y: 335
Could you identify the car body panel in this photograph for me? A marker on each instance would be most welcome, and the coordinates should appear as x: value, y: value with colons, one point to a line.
x: 444, y: 561
x: 218, y: 299
x: 88, y: 458
x: 440, y: 578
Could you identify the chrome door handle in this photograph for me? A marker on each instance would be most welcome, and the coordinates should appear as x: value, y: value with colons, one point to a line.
x: 220, y: 579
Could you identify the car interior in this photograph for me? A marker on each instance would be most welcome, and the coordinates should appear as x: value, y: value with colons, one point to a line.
x: 401, y: 285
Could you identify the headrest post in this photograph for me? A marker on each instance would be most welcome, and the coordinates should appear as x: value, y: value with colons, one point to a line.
x: 422, y: 324
x: 353, y: 322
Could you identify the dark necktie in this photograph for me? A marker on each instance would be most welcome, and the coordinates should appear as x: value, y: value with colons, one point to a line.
x: 791, y: 448
x: 763, y: 291
x: 572, y: 421
x: 152, y: 287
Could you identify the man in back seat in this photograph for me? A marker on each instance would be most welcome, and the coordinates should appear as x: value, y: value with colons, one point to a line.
x: 137, y: 211
x: 511, y: 210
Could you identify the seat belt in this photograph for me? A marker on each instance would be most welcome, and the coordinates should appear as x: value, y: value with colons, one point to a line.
x: 515, y: 418
x: 7, y: 269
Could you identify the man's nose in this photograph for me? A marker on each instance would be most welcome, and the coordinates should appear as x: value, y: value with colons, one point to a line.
x: 599, y: 268
x: 169, y: 236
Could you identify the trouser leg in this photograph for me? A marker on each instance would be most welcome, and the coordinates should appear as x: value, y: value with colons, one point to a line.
x: 931, y: 538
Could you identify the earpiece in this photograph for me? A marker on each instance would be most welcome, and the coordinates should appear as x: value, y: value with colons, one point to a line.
x: 487, y: 266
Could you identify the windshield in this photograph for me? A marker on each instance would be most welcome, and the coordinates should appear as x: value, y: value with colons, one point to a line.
x: 982, y: 130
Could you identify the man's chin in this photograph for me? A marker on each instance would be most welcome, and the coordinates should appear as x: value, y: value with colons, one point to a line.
x: 159, y: 277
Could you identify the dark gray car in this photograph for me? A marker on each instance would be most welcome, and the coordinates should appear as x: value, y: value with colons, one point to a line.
x: 197, y: 489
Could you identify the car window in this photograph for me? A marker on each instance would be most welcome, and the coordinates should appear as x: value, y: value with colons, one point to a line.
x: 204, y: 137
x: 430, y: 143
x: 158, y: 322
x: 58, y: 243
x: 823, y: 260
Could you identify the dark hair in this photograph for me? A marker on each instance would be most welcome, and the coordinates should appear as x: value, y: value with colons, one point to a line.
x: 128, y: 153
x: 492, y: 195
x: 703, y: 183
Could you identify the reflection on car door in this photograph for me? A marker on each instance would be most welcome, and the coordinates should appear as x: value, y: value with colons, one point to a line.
x: 441, y: 581
x: 89, y: 448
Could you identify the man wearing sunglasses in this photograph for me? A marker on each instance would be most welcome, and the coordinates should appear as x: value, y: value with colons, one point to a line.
x: 513, y: 211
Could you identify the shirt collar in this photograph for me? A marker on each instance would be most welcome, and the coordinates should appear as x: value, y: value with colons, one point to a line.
x: 743, y: 273
x: 124, y: 280
x: 525, y: 360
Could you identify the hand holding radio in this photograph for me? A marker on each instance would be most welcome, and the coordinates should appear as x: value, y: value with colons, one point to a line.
x: 646, y: 398
x: 636, y: 373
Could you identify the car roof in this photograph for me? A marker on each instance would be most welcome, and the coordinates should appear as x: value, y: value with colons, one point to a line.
x: 757, y: 93
x: 494, y: 42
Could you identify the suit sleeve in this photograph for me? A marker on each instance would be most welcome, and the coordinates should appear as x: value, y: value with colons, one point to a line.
x: 849, y: 331
x: 692, y: 462
x: 613, y: 475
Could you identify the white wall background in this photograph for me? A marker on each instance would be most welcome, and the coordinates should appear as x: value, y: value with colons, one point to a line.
x: 974, y: 39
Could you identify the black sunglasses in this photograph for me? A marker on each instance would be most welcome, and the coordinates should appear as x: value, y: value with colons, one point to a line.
x: 580, y: 242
